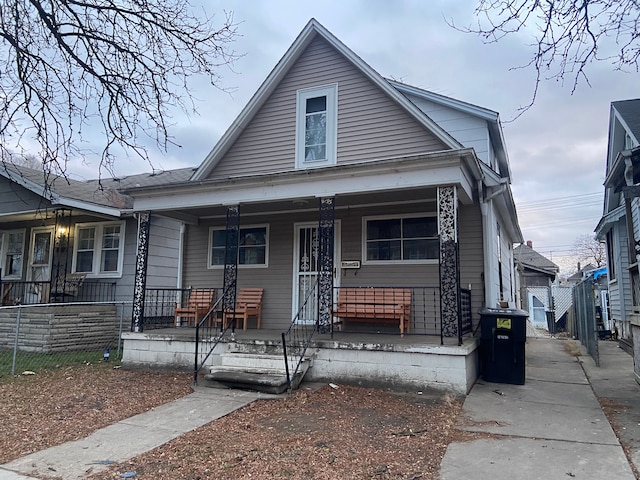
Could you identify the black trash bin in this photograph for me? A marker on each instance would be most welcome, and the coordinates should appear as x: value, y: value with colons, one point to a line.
x: 502, y: 345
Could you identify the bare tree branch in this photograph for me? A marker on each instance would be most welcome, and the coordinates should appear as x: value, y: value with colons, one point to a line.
x: 569, y: 35
x: 589, y: 250
x: 126, y: 64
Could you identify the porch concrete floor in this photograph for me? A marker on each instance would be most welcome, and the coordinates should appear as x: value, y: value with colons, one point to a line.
x: 274, y: 336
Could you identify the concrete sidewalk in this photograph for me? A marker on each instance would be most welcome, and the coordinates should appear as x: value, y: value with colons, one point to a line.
x: 131, y: 437
x: 551, y: 428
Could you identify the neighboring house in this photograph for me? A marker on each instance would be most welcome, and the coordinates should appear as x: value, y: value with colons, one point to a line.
x: 334, y: 177
x: 619, y: 226
x: 64, y: 240
x: 536, y: 275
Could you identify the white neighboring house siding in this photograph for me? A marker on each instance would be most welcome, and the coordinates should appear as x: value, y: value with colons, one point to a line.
x: 370, y: 125
x: 470, y: 131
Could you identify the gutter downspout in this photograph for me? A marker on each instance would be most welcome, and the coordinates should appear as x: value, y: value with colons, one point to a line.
x: 487, y: 228
x: 486, y: 247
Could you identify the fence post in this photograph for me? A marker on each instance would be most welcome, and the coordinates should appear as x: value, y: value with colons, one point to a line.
x: 15, y: 343
x: 120, y: 328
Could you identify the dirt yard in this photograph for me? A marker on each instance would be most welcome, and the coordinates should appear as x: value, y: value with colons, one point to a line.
x: 322, y: 433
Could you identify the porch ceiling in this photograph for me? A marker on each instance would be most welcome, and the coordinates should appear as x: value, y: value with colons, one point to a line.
x: 310, y: 203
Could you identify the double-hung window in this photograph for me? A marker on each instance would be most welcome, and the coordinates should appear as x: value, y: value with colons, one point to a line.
x: 252, y: 246
x: 12, y: 250
x: 99, y: 249
x: 316, y: 126
x: 401, y: 239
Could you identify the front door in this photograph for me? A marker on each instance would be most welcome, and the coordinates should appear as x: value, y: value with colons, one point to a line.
x: 40, y: 258
x: 306, y: 269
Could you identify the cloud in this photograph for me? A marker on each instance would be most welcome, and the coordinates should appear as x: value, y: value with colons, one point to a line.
x: 557, y: 148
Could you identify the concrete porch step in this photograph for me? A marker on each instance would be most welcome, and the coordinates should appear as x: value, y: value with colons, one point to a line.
x: 252, y: 360
x: 263, y: 373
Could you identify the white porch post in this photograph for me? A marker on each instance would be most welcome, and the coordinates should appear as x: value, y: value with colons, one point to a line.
x: 449, y: 264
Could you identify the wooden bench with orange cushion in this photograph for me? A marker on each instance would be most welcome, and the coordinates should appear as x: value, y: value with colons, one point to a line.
x: 199, y: 303
x: 375, y: 305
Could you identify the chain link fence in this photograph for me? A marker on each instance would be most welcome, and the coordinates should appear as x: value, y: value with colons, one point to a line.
x: 37, y: 337
x: 585, y: 318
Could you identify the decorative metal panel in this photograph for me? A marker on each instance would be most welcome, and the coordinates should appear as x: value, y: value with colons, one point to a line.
x: 231, y: 257
x: 141, y: 271
x: 325, y: 282
x: 449, y: 265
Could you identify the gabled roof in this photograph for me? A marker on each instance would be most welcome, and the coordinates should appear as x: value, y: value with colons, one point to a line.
x: 312, y: 30
x: 528, y: 257
x: 629, y: 111
x: 492, y: 118
x: 100, y: 196
x: 627, y: 114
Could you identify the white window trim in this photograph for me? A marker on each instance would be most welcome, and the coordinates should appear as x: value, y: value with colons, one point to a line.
x: 243, y: 227
x: 32, y: 246
x: 95, y: 270
x: 365, y: 261
x: 331, y: 92
x: 3, y: 252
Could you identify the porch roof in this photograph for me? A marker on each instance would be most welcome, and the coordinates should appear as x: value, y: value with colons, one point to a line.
x: 449, y: 167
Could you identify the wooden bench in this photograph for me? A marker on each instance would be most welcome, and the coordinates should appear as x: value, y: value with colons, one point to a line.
x: 375, y: 305
x: 199, y: 303
x: 248, y: 304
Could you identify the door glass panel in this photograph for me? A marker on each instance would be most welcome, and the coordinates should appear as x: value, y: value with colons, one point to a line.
x: 307, y: 274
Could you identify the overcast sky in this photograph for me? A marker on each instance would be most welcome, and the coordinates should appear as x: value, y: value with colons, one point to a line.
x: 557, y: 149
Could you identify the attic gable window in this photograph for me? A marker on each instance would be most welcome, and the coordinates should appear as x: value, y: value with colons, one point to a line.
x: 316, y: 125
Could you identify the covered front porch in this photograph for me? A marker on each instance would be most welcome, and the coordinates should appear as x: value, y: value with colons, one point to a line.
x: 391, y: 247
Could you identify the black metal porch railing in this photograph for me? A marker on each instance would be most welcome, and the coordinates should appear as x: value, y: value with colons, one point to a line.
x: 32, y: 293
x: 160, y: 306
x: 466, y: 319
x: 382, y: 311
x: 209, y: 335
x: 297, y: 338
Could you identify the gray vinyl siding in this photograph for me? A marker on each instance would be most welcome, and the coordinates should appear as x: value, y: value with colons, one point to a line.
x: 614, y: 301
x: 370, y: 124
x: 162, y: 262
x: 471, y: 256
x: 624, y: 278
x: 620, y: 298
x: 14, y: 198
x: 635, y: 215
x: 470, y: 131
x: 164, y: 243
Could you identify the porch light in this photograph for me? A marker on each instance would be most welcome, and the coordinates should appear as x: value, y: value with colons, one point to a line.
x: 61, y: 232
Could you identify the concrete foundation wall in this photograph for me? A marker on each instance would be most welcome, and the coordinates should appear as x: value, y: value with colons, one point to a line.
x: 57, y: 329
x: 420, y: 367
x: 443, y: 368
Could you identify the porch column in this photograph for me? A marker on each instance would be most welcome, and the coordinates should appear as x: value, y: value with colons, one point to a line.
x: 449, y: 264
x: 60, y: 261
x: 325, y: 263
x: 140, y: 284
x: 231, y: 259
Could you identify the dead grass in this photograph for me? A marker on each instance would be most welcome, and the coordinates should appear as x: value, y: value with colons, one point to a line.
x: 345, y: 432
x: 326, y: 433
x: 63, y: 404
x: 572, y: 348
